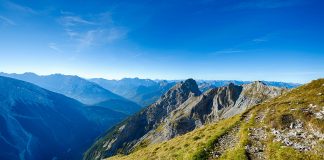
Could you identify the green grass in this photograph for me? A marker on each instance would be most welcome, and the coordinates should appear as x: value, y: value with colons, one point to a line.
x: 187, y: 146
x: 238, y: 152
x: 290, y: 107
x: 276, y: 151
x: 203, y: 152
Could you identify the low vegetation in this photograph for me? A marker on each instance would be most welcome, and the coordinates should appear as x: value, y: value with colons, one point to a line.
x: 187, y: 146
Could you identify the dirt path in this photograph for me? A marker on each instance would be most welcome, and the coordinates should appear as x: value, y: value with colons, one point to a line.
x: 229, y: 140
x: 256, y: 148
x: 226, y: 141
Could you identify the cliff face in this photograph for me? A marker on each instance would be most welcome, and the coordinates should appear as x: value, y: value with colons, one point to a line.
x: 182, y: 109
x: 213, y: 105
x: 252, y: 94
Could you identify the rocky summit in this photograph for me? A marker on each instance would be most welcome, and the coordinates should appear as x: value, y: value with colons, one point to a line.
x: 180, y: 110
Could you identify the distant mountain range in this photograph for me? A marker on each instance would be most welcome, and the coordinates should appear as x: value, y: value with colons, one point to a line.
x: 119, y: 95
x: 80, y: 89
x: 141, y: 91
x: 40, y: 124
x: 147, y: 91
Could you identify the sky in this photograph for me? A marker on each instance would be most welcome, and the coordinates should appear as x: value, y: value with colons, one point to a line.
x: 171, y: 39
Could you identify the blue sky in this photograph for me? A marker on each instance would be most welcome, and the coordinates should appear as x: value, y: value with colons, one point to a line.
x: 207, y: 39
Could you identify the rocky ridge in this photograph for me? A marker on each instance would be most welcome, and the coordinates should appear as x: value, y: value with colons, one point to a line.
x: 288, y: 126
x: 182, y: 109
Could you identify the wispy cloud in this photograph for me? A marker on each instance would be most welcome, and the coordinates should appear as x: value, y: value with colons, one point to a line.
x: 86, y: 40
x: 94, y: 30
x: 257, y: 40
x: 99, y: 36
x: 20, y: 8
x: 115, y: 33
x: 227, y: 51
x: 69, y: 21
x: 246, y: 46
x: 266, y: 37
x: 6, y: 21
x: 71, y: 33
x: 54, y: 47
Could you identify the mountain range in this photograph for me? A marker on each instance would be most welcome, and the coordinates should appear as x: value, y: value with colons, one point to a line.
x: 40, y: 124
x: 80, y: 89
x: 117, y: 93
x: 141, y: 91
x: 181, y: 109
x: 250, y: 121
x: 68, y: 117
x: 147, y: 91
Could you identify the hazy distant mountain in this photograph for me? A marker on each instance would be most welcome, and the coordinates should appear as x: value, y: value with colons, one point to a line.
x: 127, y: 107
x: 147, y: 91
x: 141, y: 91
x: 106, y: 92
x: 204, y: 85
x: 78, y: 88
x: 38, y: 124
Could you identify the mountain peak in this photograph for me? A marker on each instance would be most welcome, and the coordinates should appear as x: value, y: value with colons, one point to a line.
x: 181, y: 92
x: 259, y: 83
x: 30, y: 73
x: 231, y: 84
x: 190, y: 81
x: 188, y: 85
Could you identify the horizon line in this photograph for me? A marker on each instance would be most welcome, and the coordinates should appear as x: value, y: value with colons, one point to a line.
x: 153, y: 79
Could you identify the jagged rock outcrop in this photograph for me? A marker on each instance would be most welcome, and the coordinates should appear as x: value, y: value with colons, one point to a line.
x: 252, y: 94
x: 180, y: 110
x: 213, y: 105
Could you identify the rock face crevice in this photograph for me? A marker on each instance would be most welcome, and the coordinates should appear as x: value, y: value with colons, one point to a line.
x: 180, y: 110
x: 215, y: 104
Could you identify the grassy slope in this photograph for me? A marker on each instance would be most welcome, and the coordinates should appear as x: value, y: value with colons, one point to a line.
x: 185, y: 146
x: 197, y: 144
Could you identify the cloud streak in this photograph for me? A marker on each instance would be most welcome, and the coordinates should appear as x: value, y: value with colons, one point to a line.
x: 226, y: 51
x: 69, y: 21
x: 244, y: 47
x: 6, y: 21
x: 54, y: 47
x: 21, y: 8
x: 95, y: 30
x: 258, y: 40
x: 99, y: 36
